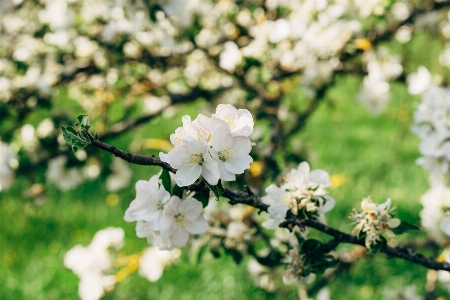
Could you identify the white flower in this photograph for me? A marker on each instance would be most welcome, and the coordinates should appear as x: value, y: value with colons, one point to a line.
x: 435, y: 201
x: 239, y: 120
x: 279, y: 201
x: 181, y: 218
x: 93, y: 264
x: 153, y: 262
x: 230, y: 57
x: 374, y: 94
x: 64, y: 179
x: 192, y: 159
x: 151, y: 199
x: 419, y: 82
x: 232, y: 153
x: 374, y: 220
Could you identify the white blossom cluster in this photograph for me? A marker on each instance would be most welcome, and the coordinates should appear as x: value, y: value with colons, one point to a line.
x: 8, y: 162
x: 294, y: 271
x: 432, y: 125
x: 165, y: 221
x: 374, y: 220
x: 302, y: 190
x: 435, y: 215
x: 97, y: 263
x: 214, y: 148
x: 93, y: 264
x: 154, y: 261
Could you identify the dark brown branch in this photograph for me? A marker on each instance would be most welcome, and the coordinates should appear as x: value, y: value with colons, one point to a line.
x: 248, y: 198
x: 130, y: 157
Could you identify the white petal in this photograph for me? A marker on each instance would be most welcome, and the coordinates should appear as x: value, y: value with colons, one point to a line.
x: 224, y: 174
x: 178, y: 156
x: 199, y: 225
x: 191, y: 208
x: 210, y: 170
x: 180, y: 237
x: 320, y: 176
x: 165, y: 225
x: 164, y: 157
x: 187, y: 175
x: 238, y: 164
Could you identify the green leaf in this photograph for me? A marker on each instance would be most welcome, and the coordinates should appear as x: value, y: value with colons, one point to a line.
x: 310, y: 246
x: 166, y: 181
x: 177, y: 191
x: 74, y: 138
x: 203, y: 198
x: 379, y: 246
x: 217, y: 189
x: 404, y: 227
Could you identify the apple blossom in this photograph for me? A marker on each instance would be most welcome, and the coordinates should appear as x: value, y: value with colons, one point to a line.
x: 151, y: 199
x: 374, y: 220
x: 182, y: 218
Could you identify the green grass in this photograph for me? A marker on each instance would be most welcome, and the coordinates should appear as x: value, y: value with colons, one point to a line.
x: 374, y: 154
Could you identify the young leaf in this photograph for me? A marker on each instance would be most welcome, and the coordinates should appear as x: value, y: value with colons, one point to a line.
x: 203, y: 198
x: 404, y: 227
x: 177, y: 191
x: 217, y: 189
x: 379, y: 246
x: 166, y: 181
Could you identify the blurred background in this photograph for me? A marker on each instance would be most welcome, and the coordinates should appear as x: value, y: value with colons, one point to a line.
x: 335, y: 83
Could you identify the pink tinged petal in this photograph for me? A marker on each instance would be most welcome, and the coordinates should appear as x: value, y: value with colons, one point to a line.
x: 187, y: 175
x: 180, y: 236
x: 197, y: 226
x: 238, y: 164
x: 224, y: 174
x: 191, y: 208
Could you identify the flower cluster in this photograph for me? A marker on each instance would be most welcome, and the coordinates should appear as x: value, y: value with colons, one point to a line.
x: 93, y: 264
x: 435, y: 220
x: 154, y: 261
x: 431, y: 124
x: 164, y: 220
x: 294, y: 273
x: 374, y: 220
x: 215, y: 148
x: 302, y: 190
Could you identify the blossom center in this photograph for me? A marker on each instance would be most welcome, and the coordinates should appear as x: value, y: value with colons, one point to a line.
x: 196, y: 159
x: 180, y: 219
x: 225, y: 154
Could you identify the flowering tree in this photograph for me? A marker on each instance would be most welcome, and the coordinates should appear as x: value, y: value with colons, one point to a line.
x: 256, y: 71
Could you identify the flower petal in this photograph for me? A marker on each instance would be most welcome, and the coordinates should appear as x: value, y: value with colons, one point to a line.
x: 191, y: 208
x: 180, y: 236
x: 199, y: 225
